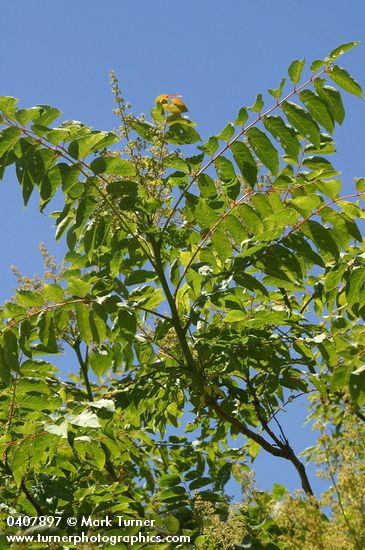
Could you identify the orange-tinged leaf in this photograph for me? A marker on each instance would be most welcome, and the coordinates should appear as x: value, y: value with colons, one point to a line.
x: 179, y: 104
x: 172, y: 109
x: 163, y: 98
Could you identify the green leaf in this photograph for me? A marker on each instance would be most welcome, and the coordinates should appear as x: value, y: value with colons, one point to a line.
x: 248, y: 281
x: 10, y: 344
x: 250, y: 218
x: 258, y: 105
x: 253, y: 449
x: 226, y: 133
x: 35, y: 168
x: 57, y: 429
x: 357, y: 386
x: 182, y: 134
x: 284, y: 134
x: 82, y: 147
x: 29, y: 298
x: 207, y: 186
x: 78, y: 287
x: 354, y: 284
x: 278, y: 92
x: 49, y: 185
x: 113, y: 165
x: 4, y: 368
x: 6, y: 160
x: 98, y: 323
x: 302, y: 122
x: 278, y: 491
x: 262, y: 205
x: 210, y: 146
x: 86, y: 206
x: 235, y: 316
x: 241, y: 118
x: 194, y: 162
x: 27, y: 169
x: 127, y: 324
x: 144, y: 129
x: 245, y: 162
x: 200, y: 482
x: 341, y: 77
x: 109, y: 138
x: 8, y: 138
x: 46, y: 332
x: 302, y: 248
x: 327, y: 146
x: 158, y: 113
x: 86, y: 419
x: 318, y: 109
x: 8, y: 105
x: 46, y: 114
x: 295, y: 70
x: 340, y: 377
x: 360, y: 184
x: 123, y: 189
x: 83, y: 323
x: 53, y: 293
x: 23, y: 116
x: 19, y: 463
x: 169, y: 480
x: 204, y: 215
x: 235, y: 228
x: 100, y: 361
x: 330, y: 188
x: 139, y: 276
x: 264, y: 149
x: 316, y: 65
x: 321, y: 237
x: 106, y: 404
x: 222, y: 244
x: 332, y: 98
x: 344, y: 227
x: 171, y: 524
x: 225, y: 169
x: 62, y: 225
x: 57, y: 135
x: 318, y: 164
x: 70, y: 175
x: 340, y: 50
x: 174, y: 161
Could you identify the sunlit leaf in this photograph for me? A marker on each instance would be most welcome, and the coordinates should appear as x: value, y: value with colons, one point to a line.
x: 284, y: 134
x: 340, y: 50
x: 341, y: 77
x: 264, y: 149
x: 302, y: 122
x: 181, y: 134
x: 295, y: 70
x: 278, y: 92
x: 318, y: 109
x: 113, y: 165
x: 245, y: 162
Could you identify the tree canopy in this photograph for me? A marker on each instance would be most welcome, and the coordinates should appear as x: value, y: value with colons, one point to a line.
x: 207, y: 286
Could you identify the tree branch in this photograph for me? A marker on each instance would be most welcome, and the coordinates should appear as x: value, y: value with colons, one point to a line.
x: 30, y: 498
x: 84, y: 368
x: 242, y: 132
x: 282, y: 451
x: 196, y: 375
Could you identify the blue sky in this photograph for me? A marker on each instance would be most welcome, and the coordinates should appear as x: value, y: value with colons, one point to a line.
x: 218, y: 55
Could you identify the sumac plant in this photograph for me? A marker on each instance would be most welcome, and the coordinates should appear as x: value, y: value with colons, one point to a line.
x: 206, y: 286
